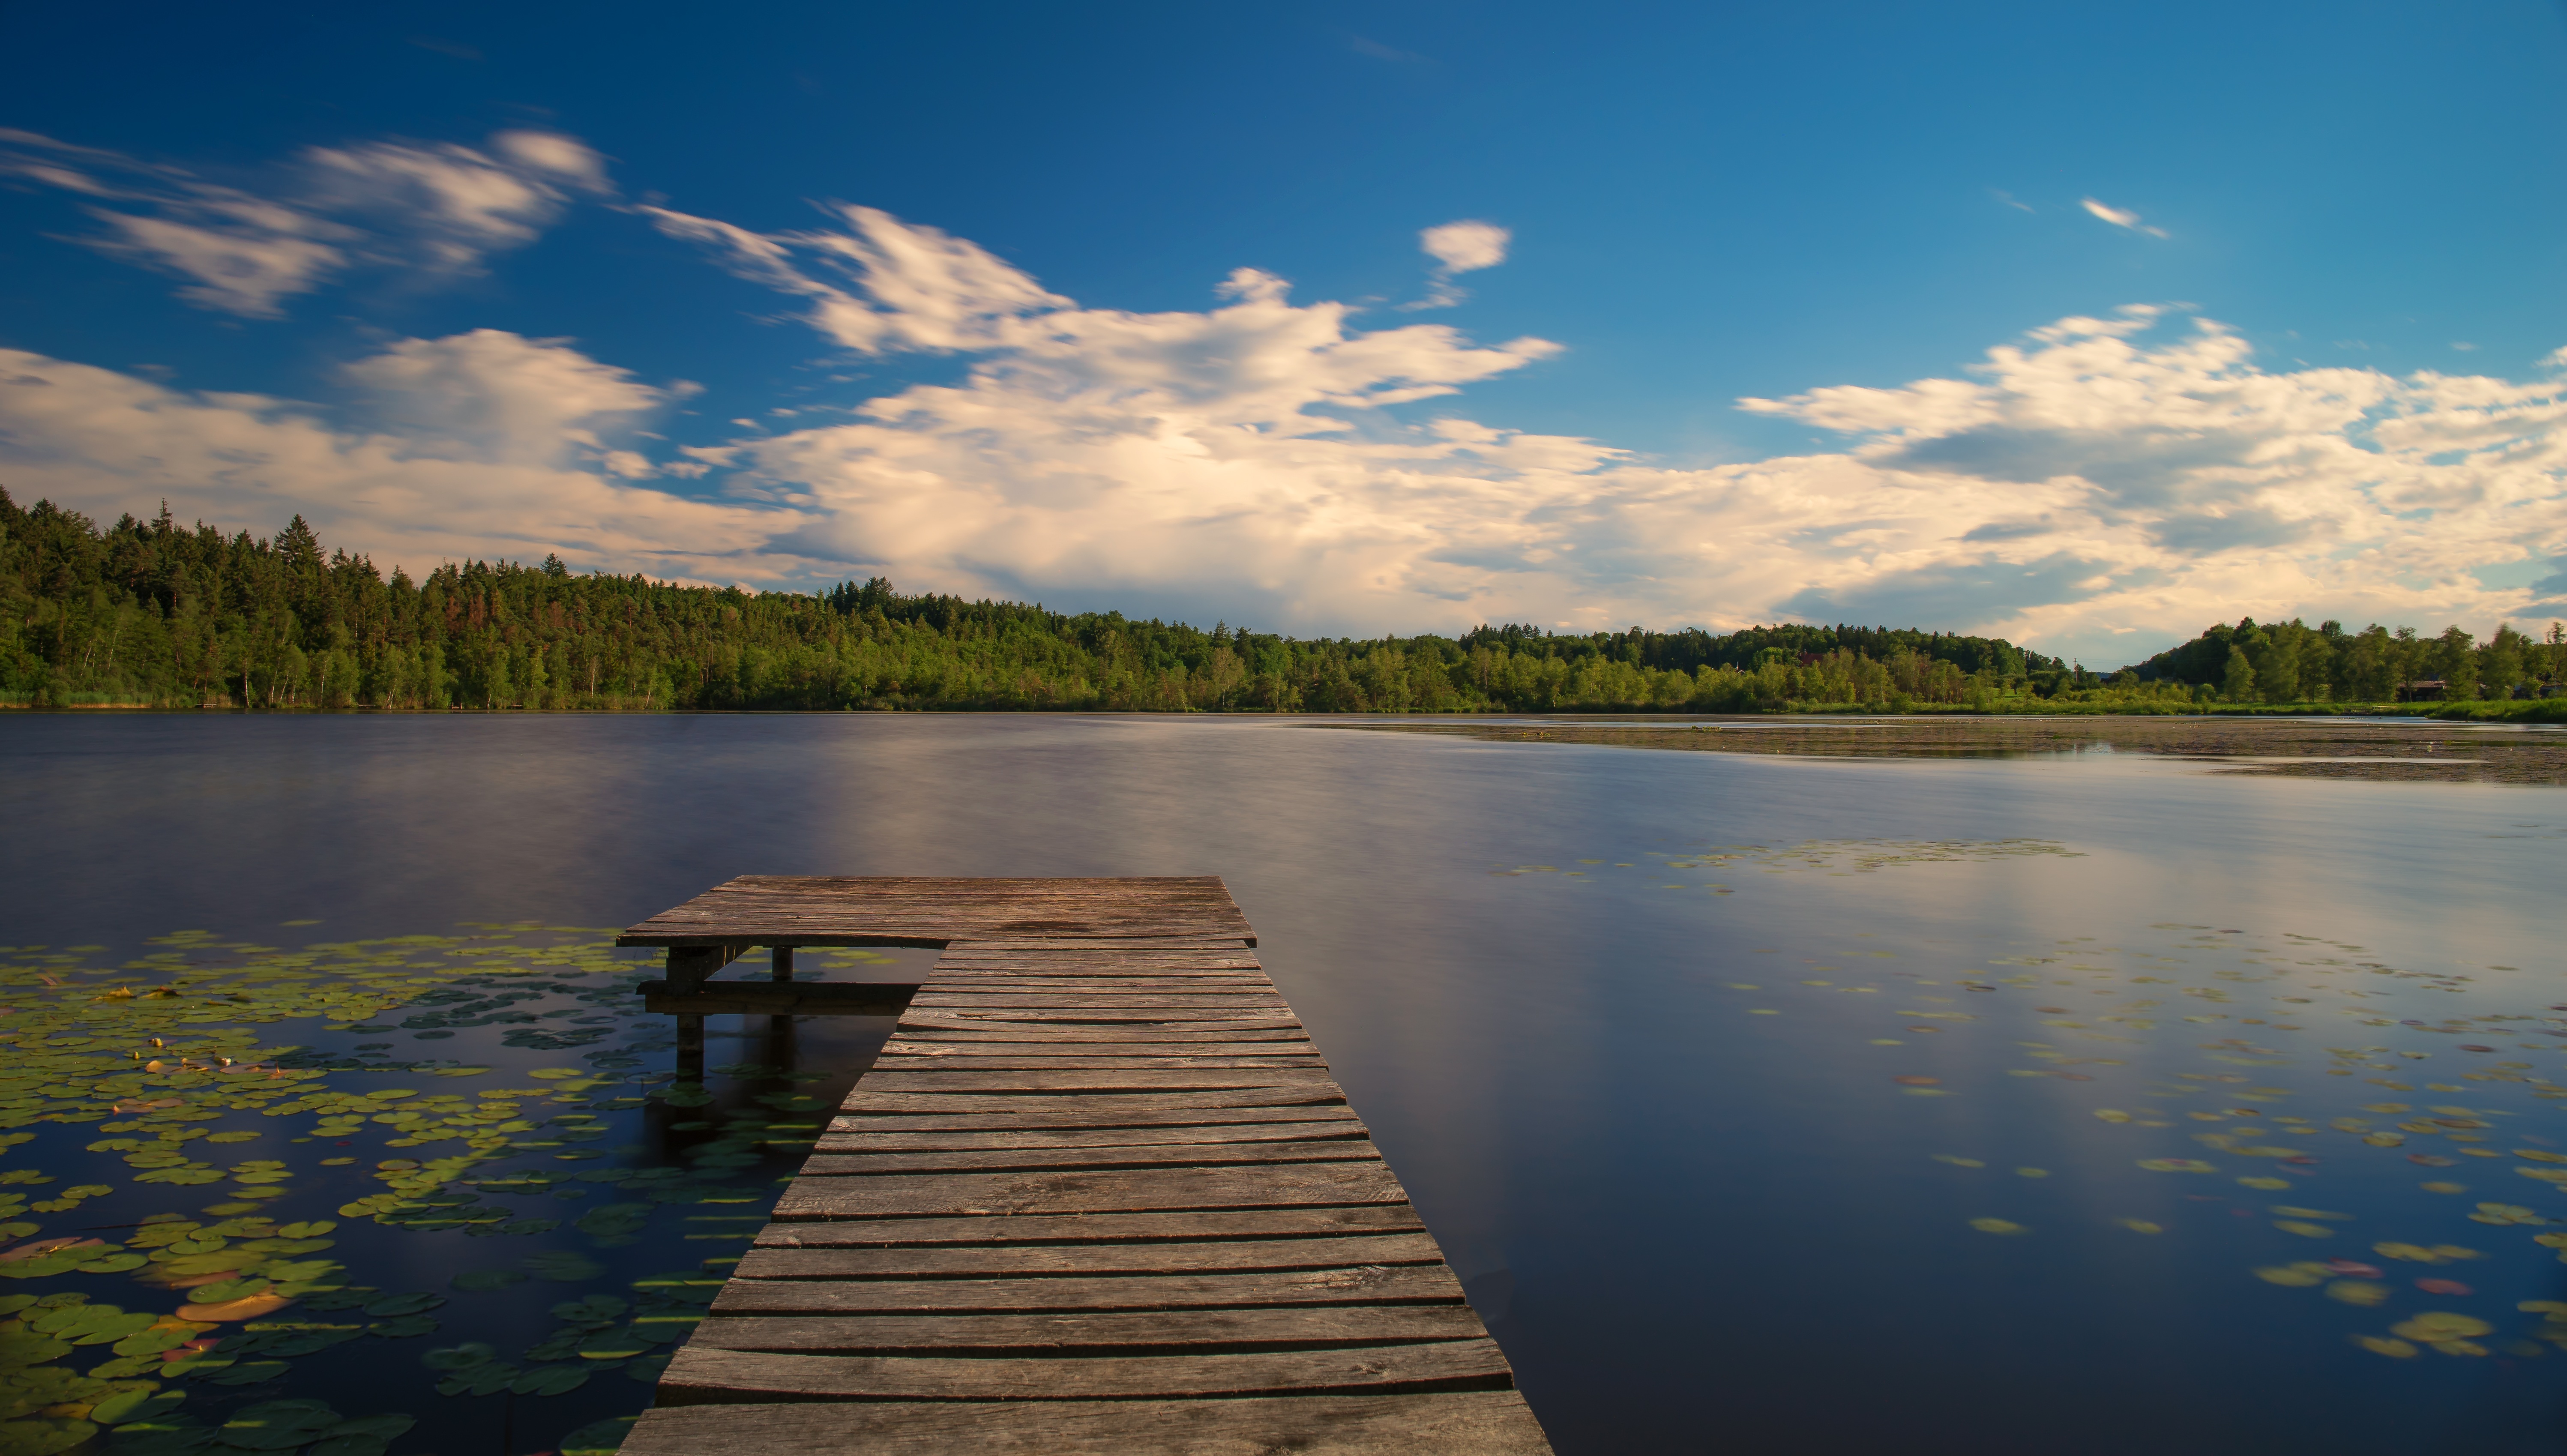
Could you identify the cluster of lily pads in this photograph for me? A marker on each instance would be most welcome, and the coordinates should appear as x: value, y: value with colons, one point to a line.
x: 2091, y: 1001
x: 152, y: 1081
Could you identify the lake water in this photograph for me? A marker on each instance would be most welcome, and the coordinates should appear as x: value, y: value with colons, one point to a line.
x: 1762, y: 1103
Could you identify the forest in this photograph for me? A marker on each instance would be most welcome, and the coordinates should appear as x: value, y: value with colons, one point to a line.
x: 150, y: 613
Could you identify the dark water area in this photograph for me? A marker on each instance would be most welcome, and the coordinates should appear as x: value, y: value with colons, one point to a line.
x: 2091, y: 1102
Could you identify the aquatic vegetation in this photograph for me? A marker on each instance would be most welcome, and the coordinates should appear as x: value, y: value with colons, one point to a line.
x: 196, y: 1208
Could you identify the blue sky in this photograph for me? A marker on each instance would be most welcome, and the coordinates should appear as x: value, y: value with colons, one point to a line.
x: 2086, y: 325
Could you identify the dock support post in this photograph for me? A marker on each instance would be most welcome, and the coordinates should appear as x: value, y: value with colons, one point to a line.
x: 691, y: 1047
x: 782, y: 959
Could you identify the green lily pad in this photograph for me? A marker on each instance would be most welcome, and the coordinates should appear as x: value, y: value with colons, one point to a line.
x: 389, y: 1304
x: 488, y: 1378
x: 459, y: 1357
x: 132, y: 1405
x: 563, y: 1266
x: 249, y: 1372
x: 613, y: 1344
x: 43, y: 1435
x: 407, y: 1326
x: 549, y: 1380
x: 153, y: 1341
x: 487, y: 1278
x: 157, y: 1438
x: 598, y: 1438
x: 278, y: 1425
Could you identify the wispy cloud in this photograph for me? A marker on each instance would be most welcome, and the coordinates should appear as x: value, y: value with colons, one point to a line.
x: 1458, y: 247
x: 1366, y: 45
x: 2122, y: 217
x: 328, y: 212
x: 2010, y: 199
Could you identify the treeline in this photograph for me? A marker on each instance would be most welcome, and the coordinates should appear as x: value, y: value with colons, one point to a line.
x: 2293, y: 662
x: 151, y: 612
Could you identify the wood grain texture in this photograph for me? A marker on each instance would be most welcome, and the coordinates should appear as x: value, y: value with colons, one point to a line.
x: 702, y: 1376
x: 1108, y: 1114
x: 870, y: 1164
x: 1243, y: 1255
x: 1121, y: 1190
x: 1359, y: 1286
x: 1136, y: 1228
x: 1477, y: 1423
x: 990, y: 1139
x: 1099, y: 1191
x: 1228, y: 1332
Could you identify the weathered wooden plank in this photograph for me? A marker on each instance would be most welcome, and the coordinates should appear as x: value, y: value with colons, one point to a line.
x: 1102, y: 984
x: 1373, y: 1284
x: 1100, y: 1023
x: 1086, y: 1332
x: 907, y: 1078
x: 878, y: 1144
x: 1118, y: 944
x: 925, y: 1026
x: 1097, y: 962
x: 862, y: 1102
x: 945, y: 1049
x: 966, y: 994
x: 816, y: 910
x: 1226, y: 1224
x: 1116, y: 1191
x: 699, y: 1375
x: 1334, y: 1116
x: 1469, y: 1423
x: 1069, y: 1061
x: 1021, y: 1261
x: 870, y: 1164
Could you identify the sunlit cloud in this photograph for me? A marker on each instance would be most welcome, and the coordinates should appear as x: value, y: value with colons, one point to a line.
x: 1459, y: 248
x: 2122, y: 217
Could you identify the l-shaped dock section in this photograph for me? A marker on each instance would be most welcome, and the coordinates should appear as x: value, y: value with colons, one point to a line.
x: 1098, y: 1194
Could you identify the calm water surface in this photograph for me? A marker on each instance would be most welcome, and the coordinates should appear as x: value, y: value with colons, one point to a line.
x: 1763, y: 1104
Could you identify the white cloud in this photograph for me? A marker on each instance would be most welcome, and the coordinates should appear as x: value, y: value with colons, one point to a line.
x: 2095, y: 486
x: 2122, y: 217
x: 489, y: 445
x: 379, y: 203
x: 1458, y: 247
x: 1466, y: 247
x: 495, y: 395
x: 889, y: 285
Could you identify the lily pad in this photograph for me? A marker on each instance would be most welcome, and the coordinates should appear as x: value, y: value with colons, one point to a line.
x: 549, y: 1380
x: 414, y: 1304
x: 278, y: 1425
x: 136, y: 1404
x: 249, y: 1372
x: 563, y: 1266
x: 487, y: 1278
x: 598, y: 1438
x: 614, y: 1344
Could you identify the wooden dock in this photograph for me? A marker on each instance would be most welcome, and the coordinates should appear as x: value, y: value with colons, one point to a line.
x: 1098, y: 1194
